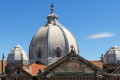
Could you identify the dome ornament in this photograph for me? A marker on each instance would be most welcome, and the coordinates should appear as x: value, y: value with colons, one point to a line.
x: 52, y: 18
x: 52, y: 8
x: 102, y: 57
x: 3, y: 56
x: 72, y: 48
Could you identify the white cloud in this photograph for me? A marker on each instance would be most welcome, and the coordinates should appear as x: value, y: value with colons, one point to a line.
x: 101, y: 35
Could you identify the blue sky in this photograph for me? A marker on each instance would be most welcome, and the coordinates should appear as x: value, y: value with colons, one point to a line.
x: 95, y: 23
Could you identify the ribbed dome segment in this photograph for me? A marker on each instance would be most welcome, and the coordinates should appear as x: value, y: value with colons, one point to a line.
x: 51, y: 42
x: 112, y: 56
x: 17, y: 56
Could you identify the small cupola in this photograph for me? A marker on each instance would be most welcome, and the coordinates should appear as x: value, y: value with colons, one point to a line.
x: 112, y: 56
x: 17, y: 56
x: 111, y: 60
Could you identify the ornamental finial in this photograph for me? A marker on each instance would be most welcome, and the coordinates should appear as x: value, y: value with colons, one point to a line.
x: 3, y: 56
x: 52, y: 8
x: 72, y: 48
x: 102, y: 57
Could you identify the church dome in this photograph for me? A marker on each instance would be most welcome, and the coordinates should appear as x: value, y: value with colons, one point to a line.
x: 17, y: 56
x: 112, y: 56
x: 51, y: 42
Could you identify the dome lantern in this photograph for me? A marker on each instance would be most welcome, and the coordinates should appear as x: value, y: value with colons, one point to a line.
x: 52, y: 18
x: 52, y: 8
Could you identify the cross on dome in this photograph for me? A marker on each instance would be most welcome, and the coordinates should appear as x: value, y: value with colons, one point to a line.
x: 52, y: 18
x: 52, y: 8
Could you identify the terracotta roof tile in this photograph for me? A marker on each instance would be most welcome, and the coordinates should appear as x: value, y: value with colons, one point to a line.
x: 36, y: 66
x: 5, y: 63
x: 97, y: 63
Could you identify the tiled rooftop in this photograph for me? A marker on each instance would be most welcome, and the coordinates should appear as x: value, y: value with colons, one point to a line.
x: 97, y: 63
x: 36, y: 66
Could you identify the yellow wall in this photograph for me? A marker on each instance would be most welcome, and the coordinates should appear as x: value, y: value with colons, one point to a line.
x: 3, y: 65
x: 0, y: 67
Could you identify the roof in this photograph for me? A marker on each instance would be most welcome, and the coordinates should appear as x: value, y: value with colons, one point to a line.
x: 21, y: 69
x: 66, y: 58
x: 36, y: 66
x: 97, y: 63
x: 5, y: 63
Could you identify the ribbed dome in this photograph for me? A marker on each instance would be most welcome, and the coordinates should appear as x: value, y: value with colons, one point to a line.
x: 112, y: 56
x: 51, y: 42
x: 17, y: 56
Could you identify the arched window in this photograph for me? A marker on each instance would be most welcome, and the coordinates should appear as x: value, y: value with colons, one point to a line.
x: 58, y: 52
x: 39, y: 53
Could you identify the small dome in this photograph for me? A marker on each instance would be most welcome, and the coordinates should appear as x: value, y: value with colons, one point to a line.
x: 17, y: 55
x: 51, y: 42
x: 112, y: 56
